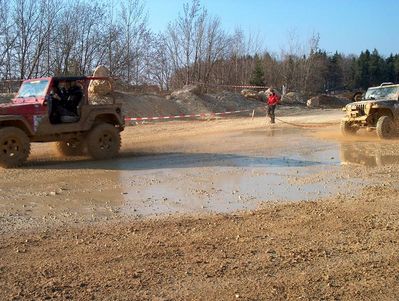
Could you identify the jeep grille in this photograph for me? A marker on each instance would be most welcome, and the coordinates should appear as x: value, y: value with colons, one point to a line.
x: 361, y: 108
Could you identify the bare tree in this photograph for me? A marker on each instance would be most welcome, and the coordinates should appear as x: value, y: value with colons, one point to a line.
x: 134, y: 24
x: 26, y: 17
x: 159, y: 67
x: 217, y: 45
x: 7, y: 40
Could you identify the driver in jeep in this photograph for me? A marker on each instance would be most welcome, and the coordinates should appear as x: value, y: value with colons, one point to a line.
x: 65, y: 102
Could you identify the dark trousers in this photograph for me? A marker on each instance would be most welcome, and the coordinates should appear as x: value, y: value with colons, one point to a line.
x: 270, y: 112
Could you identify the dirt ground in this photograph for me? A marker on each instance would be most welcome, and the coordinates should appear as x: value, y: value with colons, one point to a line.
x: 229, y: 209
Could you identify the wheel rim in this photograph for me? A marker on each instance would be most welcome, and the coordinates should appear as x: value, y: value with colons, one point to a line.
x: 11, y: 147
x: 106, y: 141
x: 73, y: 144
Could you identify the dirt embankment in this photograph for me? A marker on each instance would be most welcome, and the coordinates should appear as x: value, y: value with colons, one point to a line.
x: 148, y: 105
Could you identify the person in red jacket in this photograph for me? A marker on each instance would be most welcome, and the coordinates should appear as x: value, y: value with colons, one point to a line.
x: 272, y: 102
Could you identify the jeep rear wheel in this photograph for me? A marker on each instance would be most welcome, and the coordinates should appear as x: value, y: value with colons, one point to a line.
x: 385, y: 127
x: 14, y: 147
x: 73, y: 147
x: 103, y: 141
x: 347, y: 129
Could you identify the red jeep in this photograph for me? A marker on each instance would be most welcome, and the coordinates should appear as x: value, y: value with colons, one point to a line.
x: 57, y: 109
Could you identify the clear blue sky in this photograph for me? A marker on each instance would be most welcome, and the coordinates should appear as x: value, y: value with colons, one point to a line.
x: 348, y: 26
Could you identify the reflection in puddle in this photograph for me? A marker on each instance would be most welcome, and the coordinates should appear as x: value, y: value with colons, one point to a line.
x: 187, y: 182
x: 370, y: 154
x: 223, y: 191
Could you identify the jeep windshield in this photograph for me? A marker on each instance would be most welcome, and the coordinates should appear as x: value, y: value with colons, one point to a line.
x: 385, y: 93
x: 34, y: 88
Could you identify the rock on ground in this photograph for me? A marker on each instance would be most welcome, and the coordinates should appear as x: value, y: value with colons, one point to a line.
x: 248, y: 93
x: 327, y: 101
x: 186, y: 90
x: 293, y: 98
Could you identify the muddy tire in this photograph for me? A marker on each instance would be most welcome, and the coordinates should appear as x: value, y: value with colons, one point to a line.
x: 73, y: 147
x: 385, y: 127
x: 357, y: 96
x: 14, y: 147
x: 347, y: 129
x: 103, y: 141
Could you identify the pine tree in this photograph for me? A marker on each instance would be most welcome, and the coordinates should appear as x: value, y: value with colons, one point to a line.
x: 376, y: 67
x: 362, y: 76
x: 335, y: 72
x: 258, y: 75
x: 389, y: 71
x: 396, y: 68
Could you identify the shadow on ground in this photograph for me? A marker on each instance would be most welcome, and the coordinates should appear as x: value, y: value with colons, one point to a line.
x: 140, y: 161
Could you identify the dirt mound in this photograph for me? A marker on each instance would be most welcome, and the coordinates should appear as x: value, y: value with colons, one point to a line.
x: 186, y: 91
x: 228, y: 101
x: 327, y: 101
x: 147, y: 105
x: 189, y: 100
x: 121, y: 86
x: 293, y: 98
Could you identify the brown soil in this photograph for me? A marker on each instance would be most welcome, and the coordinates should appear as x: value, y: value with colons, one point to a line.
x: 150, y: 105
x: 343, y: 247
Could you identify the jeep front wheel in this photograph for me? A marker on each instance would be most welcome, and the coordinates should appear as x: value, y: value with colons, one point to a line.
x: 73, y: 147
x: 103, y: 141
x: 14, y: 147
x: 385, y: 127
x: 347, y: 129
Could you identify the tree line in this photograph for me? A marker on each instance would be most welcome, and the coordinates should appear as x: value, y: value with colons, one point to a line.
x: 319, y: 71
x: 48, y: 37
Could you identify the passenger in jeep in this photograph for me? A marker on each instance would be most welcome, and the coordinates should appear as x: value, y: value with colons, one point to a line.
x: 75, y: 95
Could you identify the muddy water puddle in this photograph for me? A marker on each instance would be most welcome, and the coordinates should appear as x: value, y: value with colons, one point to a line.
x: 268, y: 165
x: 222, y: 172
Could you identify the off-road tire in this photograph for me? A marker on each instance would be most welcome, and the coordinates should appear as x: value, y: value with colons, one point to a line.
x: 357, y: 96
x: 103, y: 141
x: 347, y: 129
x: 73, y: 147
x: 14, y: 147
x: 385, y: 127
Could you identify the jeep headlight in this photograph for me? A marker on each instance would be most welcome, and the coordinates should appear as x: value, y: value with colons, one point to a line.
x: 353, y: 107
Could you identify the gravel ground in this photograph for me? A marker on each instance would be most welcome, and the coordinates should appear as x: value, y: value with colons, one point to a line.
x: 73, y: 229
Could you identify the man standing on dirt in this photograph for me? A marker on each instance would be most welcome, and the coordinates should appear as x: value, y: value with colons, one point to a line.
x: 272, y: 101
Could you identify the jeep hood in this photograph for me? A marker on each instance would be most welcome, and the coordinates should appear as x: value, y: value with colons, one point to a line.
x: 17, y: 108
x: 374, y: 101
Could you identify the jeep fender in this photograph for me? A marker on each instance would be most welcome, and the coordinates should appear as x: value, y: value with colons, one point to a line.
x: 16, y: 121
x: 383, y: 111
x: 107, y: 118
